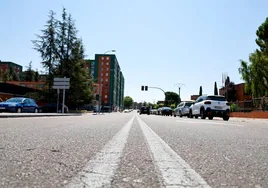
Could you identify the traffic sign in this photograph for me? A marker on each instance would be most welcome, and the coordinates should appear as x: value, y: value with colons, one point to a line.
x: 61, y: 87
x: 61, y: 80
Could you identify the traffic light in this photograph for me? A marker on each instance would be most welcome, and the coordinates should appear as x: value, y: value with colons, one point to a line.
x: 97, y: 97
x: 146, y: 88
x: 142, y: 88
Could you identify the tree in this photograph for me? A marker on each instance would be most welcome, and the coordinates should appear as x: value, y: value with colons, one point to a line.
x: 200, y: 91
x: 29, y: 73
x: 172, y: 97
x: 45, y: 45
x: 36, y: 76
x: 255, y: 73
x: 215, y: 89
x: 63, y: 56
x: 128, y: 101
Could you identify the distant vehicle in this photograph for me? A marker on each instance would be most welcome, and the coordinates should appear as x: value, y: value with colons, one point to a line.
x: 210, y: 106
x: 52, y: 108
x: 183, y: 108
x: 126, y: 111
x: 145, y: 110
x: 166, y: 111
x: 19, y: 104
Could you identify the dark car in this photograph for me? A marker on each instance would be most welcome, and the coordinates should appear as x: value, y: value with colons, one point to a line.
x: 52, y: 108
x: 145, y: 110
x: 19, y: 104
x: 166, y: 111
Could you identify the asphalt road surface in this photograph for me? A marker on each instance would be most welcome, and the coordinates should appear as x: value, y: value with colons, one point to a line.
x: 132, y: 150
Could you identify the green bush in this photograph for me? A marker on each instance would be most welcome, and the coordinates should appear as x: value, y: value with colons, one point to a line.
x: 235, y: 108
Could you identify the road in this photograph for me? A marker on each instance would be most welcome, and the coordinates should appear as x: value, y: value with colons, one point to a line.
x: 131, y: 150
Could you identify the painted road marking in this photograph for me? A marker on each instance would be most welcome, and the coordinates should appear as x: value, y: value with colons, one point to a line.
x: 100, y: 170
x: 174, y: 170
x: 209, y: 122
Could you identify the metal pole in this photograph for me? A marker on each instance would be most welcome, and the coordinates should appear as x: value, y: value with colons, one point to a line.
x: 58, y: 92
x: 63, y: 99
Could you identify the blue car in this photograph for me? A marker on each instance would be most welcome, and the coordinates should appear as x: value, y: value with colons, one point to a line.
x: 19, y: 104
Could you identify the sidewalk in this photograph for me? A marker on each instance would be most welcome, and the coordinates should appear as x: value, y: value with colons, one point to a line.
x: 19, y: 115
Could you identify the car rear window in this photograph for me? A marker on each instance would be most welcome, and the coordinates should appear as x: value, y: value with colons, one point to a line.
x: 216, y: 98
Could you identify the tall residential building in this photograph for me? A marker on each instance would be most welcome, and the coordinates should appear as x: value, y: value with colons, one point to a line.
x: 105, y: 71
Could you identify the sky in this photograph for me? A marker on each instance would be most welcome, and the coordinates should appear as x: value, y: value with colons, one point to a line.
x: 158, y: 43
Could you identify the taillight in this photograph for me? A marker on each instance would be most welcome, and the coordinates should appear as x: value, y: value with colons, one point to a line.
x: 207, y: 102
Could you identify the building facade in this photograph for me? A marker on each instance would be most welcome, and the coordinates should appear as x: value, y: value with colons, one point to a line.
x: 240, y: 93
x: 7, y: 67
x: 105, y: 71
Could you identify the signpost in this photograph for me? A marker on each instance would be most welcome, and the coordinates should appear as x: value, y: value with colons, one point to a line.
x: 61, y: 83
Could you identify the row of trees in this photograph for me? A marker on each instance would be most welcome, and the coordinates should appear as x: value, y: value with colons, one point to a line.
x: 62, y: 54
x: 255, y: 72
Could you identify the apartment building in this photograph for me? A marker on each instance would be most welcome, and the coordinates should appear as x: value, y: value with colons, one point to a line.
x: 105, y: 71
x: 7, y: 68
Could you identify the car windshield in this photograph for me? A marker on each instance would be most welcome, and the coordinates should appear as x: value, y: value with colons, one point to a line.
x: 216, y: 98
x: 15, y: 100
x: 188, y: 104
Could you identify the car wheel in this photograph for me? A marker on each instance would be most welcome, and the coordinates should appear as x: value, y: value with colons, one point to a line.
x: 36, y: 110
x: 180, y: 114
x: 225, y: 118
x: 174, y: 115
x: 19, y: 110
x: 202, y: 114
x: 190, y: 114
x: 210, y: 117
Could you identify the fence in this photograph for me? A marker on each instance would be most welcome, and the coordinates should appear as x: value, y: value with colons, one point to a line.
x: 256, y: 104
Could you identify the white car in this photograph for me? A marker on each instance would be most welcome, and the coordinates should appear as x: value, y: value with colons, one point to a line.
x: 210, y: 106
x: 183, y: 108
x: 126, y: 111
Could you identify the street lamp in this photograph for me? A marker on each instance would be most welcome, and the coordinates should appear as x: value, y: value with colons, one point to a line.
x: 109, y: 51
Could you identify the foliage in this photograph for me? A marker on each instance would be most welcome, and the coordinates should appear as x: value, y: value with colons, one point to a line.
x: 173, y: 106
x: 155, y: 106
x: 235, y: 108
x: 160, y: 105
x: 172, y: 98
x: 200, y: 91
x: 255, y: 73
x: 128, y: 101
x: 62, y: 53
x: 264, y: 103
x: 230, y: 91
x: 215, y: 89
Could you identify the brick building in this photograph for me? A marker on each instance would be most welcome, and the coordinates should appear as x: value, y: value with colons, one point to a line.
x: 7, y: 66
x: 239, y: 92
x: 105, y: 71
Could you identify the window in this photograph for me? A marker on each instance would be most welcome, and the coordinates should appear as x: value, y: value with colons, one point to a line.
x: 106, y: 96
x: 101, y: 79
x: 107, y: 74
x: 216, y: 98
x: 102, y: 58
x: 101, y: 63
x: 107, y: 58
x: 107, y: 63
x: 107, y: 69
x: 101, y: 74
x: 106, y: 79
x: 101, y: 69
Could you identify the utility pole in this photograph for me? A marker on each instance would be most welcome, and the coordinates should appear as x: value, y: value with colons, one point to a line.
x: 179, y: 85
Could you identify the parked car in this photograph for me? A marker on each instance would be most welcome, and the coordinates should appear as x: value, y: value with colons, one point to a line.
x: 183, y: 108
x: 19, y: 104
x: 210, y: 106
x: 166, y: 111
x: 145, y: 110
x: 52, y: 108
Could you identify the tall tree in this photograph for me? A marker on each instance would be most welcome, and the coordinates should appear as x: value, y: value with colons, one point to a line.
x: 200, y: 91
x: 255, y: 73
x: 128, y: 101
x: 215, y: 89
x: 45, y: 44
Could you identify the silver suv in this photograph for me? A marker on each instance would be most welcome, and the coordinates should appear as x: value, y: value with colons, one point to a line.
x: 183, y: 108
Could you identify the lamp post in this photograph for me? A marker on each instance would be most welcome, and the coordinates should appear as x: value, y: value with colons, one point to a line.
x: 179, y: 85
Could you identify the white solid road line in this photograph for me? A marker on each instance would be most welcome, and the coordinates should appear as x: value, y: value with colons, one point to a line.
x: 174, y: 170
x: 210, y: 122
x: 100, y: 170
